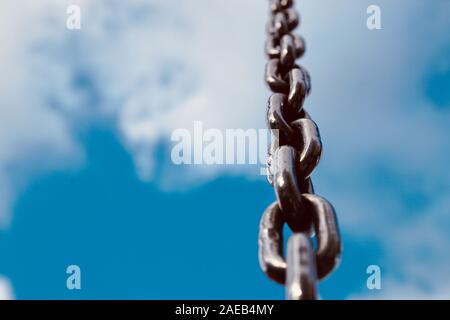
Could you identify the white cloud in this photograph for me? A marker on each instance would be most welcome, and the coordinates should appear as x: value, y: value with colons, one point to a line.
x: 5, y: 289
x: 33, y: 136
x: 187, y: 61
x: 376, y: 124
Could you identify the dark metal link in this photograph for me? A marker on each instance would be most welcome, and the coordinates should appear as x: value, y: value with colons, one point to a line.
x: 270, y: 243
x: 307, y: 79
x: 293, y: 19
x: 329, y: 245
x: 278, y: 5
x: 273, y: 46
x: 304, y: 115
x: 326, y: 229
x: 301, y: 277
x: 296, y: 140
x: 275, y: 115
x: 300, y: 46
x: 309, y: 145
x: 287, y: 189
x: 278, y: 25
x: 293, y: 153
x: 288, y: 52
x: 299, y: 84
x: 272, y: 148
x: 274, y: 78
x: 307, y: 186
x: 298, y: 87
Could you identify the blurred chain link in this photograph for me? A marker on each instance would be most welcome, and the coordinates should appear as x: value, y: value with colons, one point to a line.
x: 294, y: 152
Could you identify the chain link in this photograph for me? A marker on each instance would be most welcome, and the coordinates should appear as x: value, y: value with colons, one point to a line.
x: 294, y: 152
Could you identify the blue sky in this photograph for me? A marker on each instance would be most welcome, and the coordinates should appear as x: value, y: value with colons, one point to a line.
x: 132, y: 240
x: 85, y: 123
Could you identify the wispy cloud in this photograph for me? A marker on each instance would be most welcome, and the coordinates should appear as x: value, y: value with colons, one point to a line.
x: 386, y: 143
x: 5, y: 289
x: 33, y: 136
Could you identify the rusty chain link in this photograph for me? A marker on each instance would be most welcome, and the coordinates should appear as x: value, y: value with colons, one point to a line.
x: 294, y: 152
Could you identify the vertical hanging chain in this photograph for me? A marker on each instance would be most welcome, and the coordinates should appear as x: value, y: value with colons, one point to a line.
x: 294, y: 152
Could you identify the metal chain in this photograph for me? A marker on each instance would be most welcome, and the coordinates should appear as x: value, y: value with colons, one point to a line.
x: 294, y: 152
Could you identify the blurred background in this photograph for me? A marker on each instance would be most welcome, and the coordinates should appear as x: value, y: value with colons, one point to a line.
x: 85, y: 122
